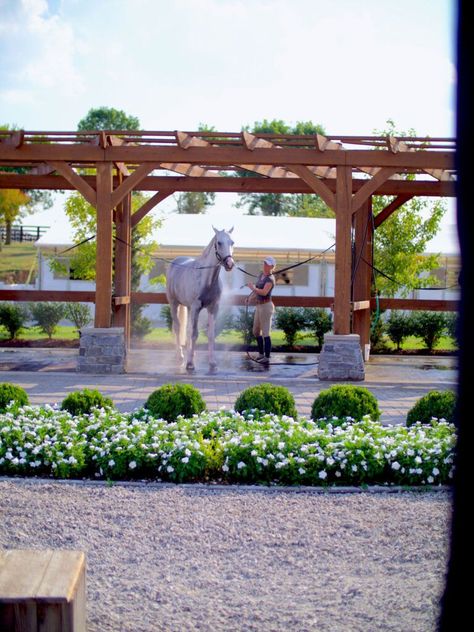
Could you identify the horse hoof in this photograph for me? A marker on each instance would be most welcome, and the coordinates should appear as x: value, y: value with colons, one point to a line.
x: 190, y: 367
x: 212, y: 369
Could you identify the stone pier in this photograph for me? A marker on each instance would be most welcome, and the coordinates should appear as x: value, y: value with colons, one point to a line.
x: 102, y: 350
x: 341, y: 358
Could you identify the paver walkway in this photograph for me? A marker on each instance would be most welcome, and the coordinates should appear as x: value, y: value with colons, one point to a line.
x: 48, y: 375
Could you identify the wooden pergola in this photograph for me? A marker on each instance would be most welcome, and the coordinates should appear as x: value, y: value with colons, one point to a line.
x: 345, y: 171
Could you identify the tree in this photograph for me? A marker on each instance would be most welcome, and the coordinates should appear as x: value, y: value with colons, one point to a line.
x: 296, y: 205
x: 12, y: 201
x: 105, y: 118
x: 15, y: 202
x: 400, y: 241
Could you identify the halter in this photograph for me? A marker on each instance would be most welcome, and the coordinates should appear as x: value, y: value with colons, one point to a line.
x: 220, y: 259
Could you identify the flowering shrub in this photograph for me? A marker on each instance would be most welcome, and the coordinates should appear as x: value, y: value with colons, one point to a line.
x: 82, y: 402
x: 433, y: 405
x: 172, y: 400
x: 222, y: 446
x: 266, y: 398
x: 345, y: 400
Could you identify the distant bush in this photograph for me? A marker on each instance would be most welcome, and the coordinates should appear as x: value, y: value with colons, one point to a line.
x: 172, y: 400
x: 429, y: 326
x: 345, y: 400
x: 243, y: 322
x: 452, y: 326
x: 79, y: 314
x: 267, y: 398
x: 46, y: 316
x: 83, y: 402
x: 433, y: 405
x: 13, y: 317
x: 399, y: 326
x: 318, y: 321
x: 291, y: 320
x: 12, y: 393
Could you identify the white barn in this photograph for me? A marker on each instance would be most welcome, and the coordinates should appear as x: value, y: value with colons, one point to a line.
x: 289, y: 239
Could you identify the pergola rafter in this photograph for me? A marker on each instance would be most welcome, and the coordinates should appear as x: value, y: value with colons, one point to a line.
x: 345, y: 171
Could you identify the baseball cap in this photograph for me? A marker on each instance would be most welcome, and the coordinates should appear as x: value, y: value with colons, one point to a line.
x: 270, y: 261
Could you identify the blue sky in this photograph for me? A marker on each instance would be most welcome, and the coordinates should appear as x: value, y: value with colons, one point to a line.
x: 348, y: 65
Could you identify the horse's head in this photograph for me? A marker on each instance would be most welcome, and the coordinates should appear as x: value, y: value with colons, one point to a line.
x: 223, y: 245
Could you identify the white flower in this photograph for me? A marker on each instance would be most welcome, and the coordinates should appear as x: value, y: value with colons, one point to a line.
x: 301, y: 470
x: 396, y: 465
x: 435, y: 471
x: 170, y: 469
x: 185, y: 459
x: 111, y: 463
x: 225, y: 468
x: 132, y: 465
x: 430, y: 479
x: 338, y: 473
x: 241, y: 465
x: 322, y: 474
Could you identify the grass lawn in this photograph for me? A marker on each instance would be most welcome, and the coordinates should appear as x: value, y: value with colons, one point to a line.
x: 162, y: 336
x: 18, y: 257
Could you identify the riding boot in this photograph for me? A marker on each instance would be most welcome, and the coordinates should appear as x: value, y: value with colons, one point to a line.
x: 268, y: 346
x: 260, y: 346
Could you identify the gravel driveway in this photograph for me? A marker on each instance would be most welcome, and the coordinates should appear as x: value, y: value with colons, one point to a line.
x: 184, y: 558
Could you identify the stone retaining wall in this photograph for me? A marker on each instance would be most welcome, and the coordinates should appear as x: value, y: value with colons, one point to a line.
x: 341, y: 358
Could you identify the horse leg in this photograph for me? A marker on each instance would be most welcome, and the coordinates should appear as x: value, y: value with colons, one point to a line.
x: 211, y: 336
x: 177, y: 327
x: 192, y: 335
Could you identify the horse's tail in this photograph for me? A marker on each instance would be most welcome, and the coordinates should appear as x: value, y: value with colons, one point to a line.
x: 183, y: 321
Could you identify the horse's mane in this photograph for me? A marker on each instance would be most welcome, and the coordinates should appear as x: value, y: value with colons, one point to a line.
x: 208, y: 249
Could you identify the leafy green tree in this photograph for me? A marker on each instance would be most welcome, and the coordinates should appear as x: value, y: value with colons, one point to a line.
x: 318, y: 321
x: 276, y: 204
x: 13, y: 317
x: 14, y: 203
x: 429, y: 326
x: 400, y: 241
x: 291, y: 320
x: 105, y: 118
x: 398, y: 327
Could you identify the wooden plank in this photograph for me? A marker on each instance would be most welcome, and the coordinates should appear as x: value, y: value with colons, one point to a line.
x: 396, y: 145
x: 15, y: 584
x: 76, y: 180
x: 103, y: 301
x: 48, y: 296
x: 220, y: 184
x: 61, y: 576
x: 121, y: 300
x: 388, y: 210
x: 343, y: 260
x: 412, y: 304
x: 317, y: 185
x: 149, y: 205
x: 130, y: 183
x: 370, y: 186
x: 360, y: 305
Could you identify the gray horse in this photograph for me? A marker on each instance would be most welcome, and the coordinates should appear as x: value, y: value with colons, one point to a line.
x: 192, y: 284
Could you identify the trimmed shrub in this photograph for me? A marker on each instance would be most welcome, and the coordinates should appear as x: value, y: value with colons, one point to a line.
x: 12, y: 393
x: 83, y: 402
x: 13, y: 317
x: 318, y: 321
x: 429, y: 326
x: 399, y: 326
x: 345, y: 400
x: 47, y: 316
x: 172, y: 400
x: 433, y: 405
x: 291, y: 321
x: 267, y: 398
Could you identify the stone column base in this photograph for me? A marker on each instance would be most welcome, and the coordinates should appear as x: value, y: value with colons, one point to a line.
x: 341, y: 358
x: 102, y: 350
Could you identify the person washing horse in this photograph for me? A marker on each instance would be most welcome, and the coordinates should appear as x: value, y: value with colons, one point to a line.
x: 264, y: 310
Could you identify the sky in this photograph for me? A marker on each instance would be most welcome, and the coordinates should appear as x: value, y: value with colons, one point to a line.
x: 348, y: 65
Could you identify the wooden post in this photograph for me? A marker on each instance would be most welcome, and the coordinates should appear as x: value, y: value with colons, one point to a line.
x: 103, y: 292
x: 362, y: 271
x: 123, y: 259
x: 342, y: 286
